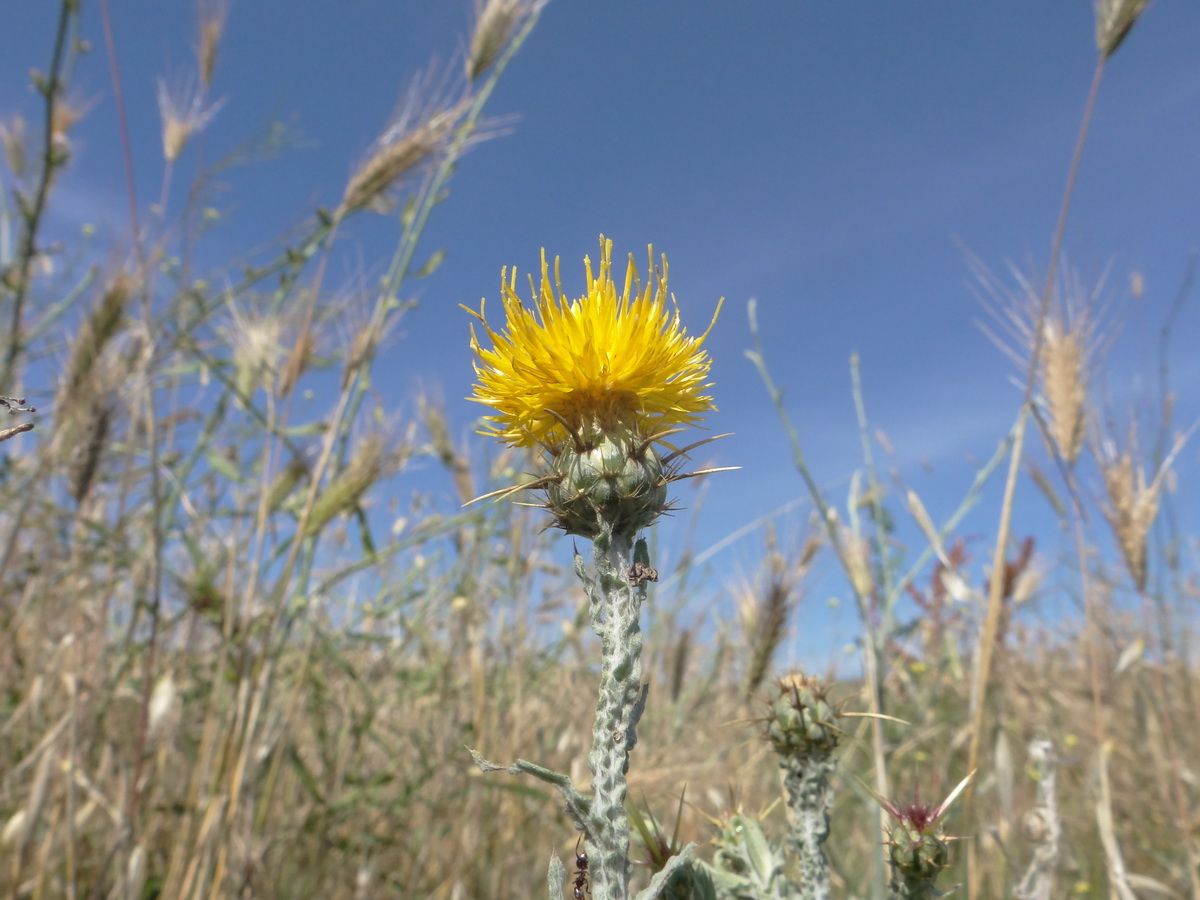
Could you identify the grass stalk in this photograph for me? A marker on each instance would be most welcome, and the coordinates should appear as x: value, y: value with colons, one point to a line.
x: 1004, y: 529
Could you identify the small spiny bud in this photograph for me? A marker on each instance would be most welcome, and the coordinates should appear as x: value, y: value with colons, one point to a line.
x: 800, y: 720
x: 611, y: 478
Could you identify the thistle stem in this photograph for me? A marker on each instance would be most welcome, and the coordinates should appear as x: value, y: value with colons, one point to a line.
x: 908, y: 887
x: 615, y: 609
x: 806, y: 781
x: 1038, y: 880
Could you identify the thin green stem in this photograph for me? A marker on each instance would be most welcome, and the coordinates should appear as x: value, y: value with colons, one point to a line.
x: 52, y: 160
x: 874, y: 495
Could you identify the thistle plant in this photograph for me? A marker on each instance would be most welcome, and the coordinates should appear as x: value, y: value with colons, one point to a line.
x: 746, y: 866
x: 918, y: 849
x: 599, y: 384
x: 802, y: 729
x: 801, y: 726
x: 1042, y: 826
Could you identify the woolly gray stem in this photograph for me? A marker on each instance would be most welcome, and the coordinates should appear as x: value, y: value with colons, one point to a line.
x: 1044, y: 825
x: 577, y: 804
x: 806, y: 782
x: 615, y: 608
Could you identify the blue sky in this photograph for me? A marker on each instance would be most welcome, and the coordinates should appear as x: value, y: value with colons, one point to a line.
x: 832, y: 160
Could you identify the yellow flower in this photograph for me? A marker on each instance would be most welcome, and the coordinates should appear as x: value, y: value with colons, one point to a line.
x: 604, y: 362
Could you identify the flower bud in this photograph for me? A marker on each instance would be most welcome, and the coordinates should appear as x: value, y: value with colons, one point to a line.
x: 615, y: 479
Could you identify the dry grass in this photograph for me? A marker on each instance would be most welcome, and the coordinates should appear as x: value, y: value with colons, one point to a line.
x: 374, y: 785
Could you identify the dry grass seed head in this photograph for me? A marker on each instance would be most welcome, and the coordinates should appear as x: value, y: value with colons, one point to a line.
x: 764, y: 609
x: 1064, y: 382
x: 359, y: 327
x: 256, y: 343
x: 272, y: 350
x: 1071, y: 338
x: 363, y: 344
x: 298, y: 360
x: 95, y: 334
x: 12, y: 136
x: 424, y: 120
x: 86, y: 454
x: 185, y: 113
x: 1132, y: 503
x: 857, y: 560
x: 213, y: 15
x: 66, y: 113
x: 285, y: 482
x: 375, y: 457
x: 91, y: 394
x: 495, y: 23
x: 1114, y: 20
x: 678, y: 656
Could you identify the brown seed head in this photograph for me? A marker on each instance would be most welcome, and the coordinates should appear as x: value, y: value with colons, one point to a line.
x: 1071, y: 337
x: 1132, y: 503
x: 297, y: 362
x: 495, y: 22
x: 213, y: 14
x: 97, y: 331
x: 1064, y: 383
x: 375, y: 457
x: 764, y: 607
x: 410, y: 141
x: 1131, y: 510
x: 87, y: 417
x: 362, y: 350
x: 1114, y: 20
x: 84, y: 462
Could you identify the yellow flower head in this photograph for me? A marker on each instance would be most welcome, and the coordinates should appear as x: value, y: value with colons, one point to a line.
x: 604, y: 362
